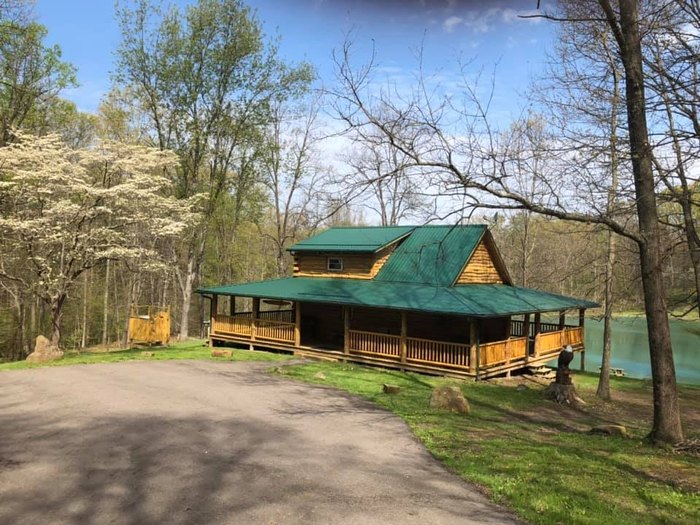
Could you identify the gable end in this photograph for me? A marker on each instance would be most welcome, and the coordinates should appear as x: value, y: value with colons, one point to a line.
x: 485, y: 265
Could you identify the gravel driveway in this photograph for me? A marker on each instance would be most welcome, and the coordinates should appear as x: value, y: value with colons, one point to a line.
x: 212, y: 442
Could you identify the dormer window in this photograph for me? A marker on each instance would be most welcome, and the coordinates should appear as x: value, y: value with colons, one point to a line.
x: 335, y: 264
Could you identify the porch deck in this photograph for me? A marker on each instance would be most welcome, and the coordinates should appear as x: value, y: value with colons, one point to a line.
x: 281, y: 331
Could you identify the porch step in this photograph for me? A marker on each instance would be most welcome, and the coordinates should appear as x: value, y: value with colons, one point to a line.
x: 542, y: 371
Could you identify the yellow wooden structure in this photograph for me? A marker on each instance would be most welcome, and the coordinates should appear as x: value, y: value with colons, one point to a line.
x: 149, y: 325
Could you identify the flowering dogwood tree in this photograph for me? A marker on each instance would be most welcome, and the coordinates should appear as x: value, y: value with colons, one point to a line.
x: 63, y: 211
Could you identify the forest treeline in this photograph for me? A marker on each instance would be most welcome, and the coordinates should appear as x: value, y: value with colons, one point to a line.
x: 211, y: 155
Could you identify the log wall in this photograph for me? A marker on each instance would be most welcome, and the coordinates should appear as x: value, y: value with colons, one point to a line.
x: 355, y: 266
x: 480, y: 268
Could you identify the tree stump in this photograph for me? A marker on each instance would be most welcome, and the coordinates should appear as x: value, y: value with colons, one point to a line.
x: 564, y: 395
x: 562, y: 390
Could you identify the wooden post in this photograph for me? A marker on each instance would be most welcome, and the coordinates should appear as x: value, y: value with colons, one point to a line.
x: 473, y: 336
x: 297, y: 324
x: 254, y: 320
x: 346, y: 330
x: 538, y: 328
x: 232, y: 305
x: 526, y: 334
x: 509, y: 328
x: 562, y: 326
x: 581, y: 319
x: 213, y: 307
x: 404, y: 332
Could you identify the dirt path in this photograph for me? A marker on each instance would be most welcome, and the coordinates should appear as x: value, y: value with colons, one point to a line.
x: 202, y: 442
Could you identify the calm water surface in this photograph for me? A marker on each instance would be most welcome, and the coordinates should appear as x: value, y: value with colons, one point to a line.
x: 630, y: 348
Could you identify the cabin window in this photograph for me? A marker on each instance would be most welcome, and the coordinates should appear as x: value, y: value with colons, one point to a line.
x: 335, y: 264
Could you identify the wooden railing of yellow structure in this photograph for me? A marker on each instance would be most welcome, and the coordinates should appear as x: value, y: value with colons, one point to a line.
x: 437, y: 352
x: 385, y: 345
x: 501, y: 352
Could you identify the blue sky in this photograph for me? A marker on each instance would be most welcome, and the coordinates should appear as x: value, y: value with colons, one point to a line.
x: 487, y: 32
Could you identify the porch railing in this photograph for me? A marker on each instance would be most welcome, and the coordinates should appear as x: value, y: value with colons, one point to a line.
x: 517, y: 327
x: 437, y: 352
x: 271, y: 325
x: 277, y: 326
x: 275, y: 331
x: 374, y: 343
x: 500, y: 352
x: 555, y: 341
x: 417, y: 350
x: 235, y: 325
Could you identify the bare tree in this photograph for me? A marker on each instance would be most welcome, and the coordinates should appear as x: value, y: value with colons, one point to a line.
x: 382, y: 174
x: 465, y: 154
x: 293, y: 175
x: 672, y: 55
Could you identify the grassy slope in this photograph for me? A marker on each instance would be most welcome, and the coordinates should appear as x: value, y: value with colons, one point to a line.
x: 524, y: 454
x: 187, y: 350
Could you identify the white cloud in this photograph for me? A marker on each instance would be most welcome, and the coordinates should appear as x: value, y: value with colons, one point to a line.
x: 451, y: 23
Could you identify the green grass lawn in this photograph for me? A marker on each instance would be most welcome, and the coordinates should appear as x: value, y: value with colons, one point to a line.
x: 193, y: 349
x: 534, y: 456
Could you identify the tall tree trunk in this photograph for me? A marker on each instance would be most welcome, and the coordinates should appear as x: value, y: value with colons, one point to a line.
x: 667, y: 421
x: 187, y: 286
x: 56, y: 315
x: 105, y: 307
x: 603, y: 390
x: 83, y: 338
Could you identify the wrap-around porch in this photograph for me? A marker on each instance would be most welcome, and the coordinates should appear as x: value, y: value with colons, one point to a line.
x: 421, y: 341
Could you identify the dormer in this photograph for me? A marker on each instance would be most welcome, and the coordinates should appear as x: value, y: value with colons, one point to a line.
x: 347, y: 252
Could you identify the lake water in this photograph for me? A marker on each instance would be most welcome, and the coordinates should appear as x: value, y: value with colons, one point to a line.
x: 630, y: 348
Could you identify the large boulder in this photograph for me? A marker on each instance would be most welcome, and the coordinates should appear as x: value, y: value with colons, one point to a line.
x: 449, y: 398
x: 44, y: 351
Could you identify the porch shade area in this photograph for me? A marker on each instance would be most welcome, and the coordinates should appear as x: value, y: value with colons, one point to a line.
x: 473, y: 300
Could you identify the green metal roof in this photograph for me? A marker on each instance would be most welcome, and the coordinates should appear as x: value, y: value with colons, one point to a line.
x: 352, y: 239
x: 474, y: 300
x: 432, y: 255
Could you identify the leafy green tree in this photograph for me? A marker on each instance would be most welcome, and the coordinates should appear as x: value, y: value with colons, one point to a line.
x: 205, y: 79
x: 31, y: 74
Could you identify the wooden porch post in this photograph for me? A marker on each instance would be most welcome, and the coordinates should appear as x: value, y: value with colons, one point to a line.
x: 297, y: 324
x: 581, y: 319
x: 526, y: 333
x: 473, y: 335
x: 509, y: 328
x: 254, y: 320
x: 404, y: 331
x: 214, y: 305
x: 346, y: 330
x: 232, y: 305
x: 562, y: 320
x: 526, y: 325
x: 538, y: 328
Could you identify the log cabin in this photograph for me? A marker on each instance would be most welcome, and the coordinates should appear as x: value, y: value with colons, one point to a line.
x: 435, y: 299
